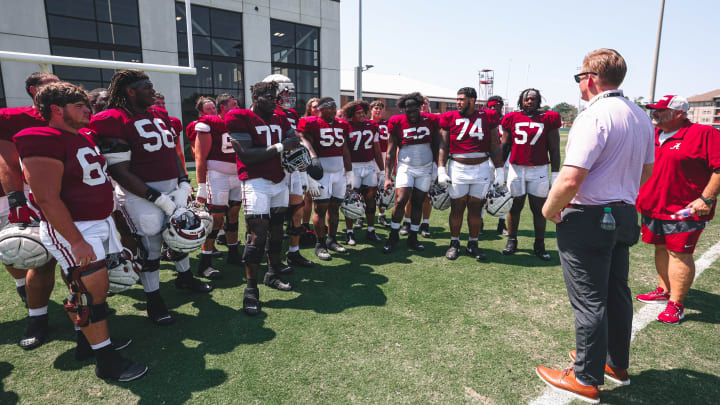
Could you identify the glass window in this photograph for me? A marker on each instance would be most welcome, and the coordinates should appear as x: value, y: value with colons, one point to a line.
x: 95, y: 29
x: 296, y: 54
x: 218, y: 51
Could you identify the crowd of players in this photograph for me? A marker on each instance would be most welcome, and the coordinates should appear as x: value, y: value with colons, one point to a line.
x: 96, y: 182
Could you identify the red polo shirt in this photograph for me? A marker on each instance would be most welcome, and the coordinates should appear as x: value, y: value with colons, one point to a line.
x: 683, y: 166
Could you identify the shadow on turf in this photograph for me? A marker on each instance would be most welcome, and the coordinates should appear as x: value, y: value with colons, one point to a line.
x: 706, y: 304
x: 676, y: 386
x: 6, y: 397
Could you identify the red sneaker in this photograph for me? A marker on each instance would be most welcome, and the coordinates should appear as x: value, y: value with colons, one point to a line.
x: 616, y: 375
x: 659, y: 296
x: 672, y: 314
x: 564, y: 380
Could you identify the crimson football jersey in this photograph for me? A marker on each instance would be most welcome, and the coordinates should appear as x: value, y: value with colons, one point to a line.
x: 361, y: 140
x: 292, y: 117
x: 13, y: 120
x: 529, y: 136
x: 406, y: 133
x: 263, y: 135
x: 469, y: 134
x: 176, y: 127
x: 152, y: 144
x: 190, y: 132
x: 85, y: 190
x: 221, y: 148
x: 383, y: 134
x: 326, y: 138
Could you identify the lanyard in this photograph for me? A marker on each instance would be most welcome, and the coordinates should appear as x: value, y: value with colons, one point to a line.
x: 617, y: 93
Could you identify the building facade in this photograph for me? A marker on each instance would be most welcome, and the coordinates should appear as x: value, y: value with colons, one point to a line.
x: 705, y: 108
x: 235, y: 43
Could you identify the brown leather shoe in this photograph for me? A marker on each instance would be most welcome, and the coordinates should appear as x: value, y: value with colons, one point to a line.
x: 564, y: 380
x: 616, y: 375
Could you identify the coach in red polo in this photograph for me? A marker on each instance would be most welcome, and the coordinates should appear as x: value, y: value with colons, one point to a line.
x: 678, y: 200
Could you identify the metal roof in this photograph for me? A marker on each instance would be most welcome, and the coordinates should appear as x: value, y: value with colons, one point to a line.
x: 380, y: 85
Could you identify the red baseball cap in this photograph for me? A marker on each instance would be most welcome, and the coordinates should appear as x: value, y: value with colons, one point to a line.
x: 670, y: 102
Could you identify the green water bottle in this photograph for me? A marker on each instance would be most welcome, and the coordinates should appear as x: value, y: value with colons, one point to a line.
x: 607, y: 222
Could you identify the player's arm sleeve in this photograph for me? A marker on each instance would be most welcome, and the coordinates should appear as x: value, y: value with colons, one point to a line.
x: 444, y: 121
x: 713, y: 149
x: 106, y: 126
x: 39, y: 145
x: 555, y: 121
x: 506, y: 122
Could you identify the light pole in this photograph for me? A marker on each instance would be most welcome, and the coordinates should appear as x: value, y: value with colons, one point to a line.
x: 359, y: 69
x: 657, y: 53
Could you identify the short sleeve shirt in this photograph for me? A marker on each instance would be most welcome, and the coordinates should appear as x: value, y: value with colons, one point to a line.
x: 529, y: 136
x: 469, y: 134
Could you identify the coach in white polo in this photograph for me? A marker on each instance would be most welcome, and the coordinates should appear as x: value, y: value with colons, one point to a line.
x: 609, y: 154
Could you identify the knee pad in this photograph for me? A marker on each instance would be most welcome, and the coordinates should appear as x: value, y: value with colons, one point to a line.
x: 231, y: 226
x: 296, y: 231
x: 235, y: 203
x: 253, y: 255
x: 213, y: 234
x: 217, y: 209
x: 150, y: 265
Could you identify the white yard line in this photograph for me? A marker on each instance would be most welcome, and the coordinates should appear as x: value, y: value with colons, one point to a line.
x: 641, y: 319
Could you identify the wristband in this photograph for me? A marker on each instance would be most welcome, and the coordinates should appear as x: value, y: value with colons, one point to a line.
x: 16, y: 199
x: 279, y: 147
x: 708, y: 201
x: 151, y: 194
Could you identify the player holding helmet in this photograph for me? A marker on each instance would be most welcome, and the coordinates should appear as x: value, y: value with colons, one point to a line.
x: 139, y: 148
x: 529, y: 136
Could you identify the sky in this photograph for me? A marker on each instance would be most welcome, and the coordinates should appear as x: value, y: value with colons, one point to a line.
x: 538, y: 44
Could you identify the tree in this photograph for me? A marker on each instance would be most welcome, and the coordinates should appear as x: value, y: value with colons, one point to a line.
x: 545, y: 108
x: 639, y: 101
x: 568, y: 112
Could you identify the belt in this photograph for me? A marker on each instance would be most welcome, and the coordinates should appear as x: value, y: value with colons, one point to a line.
x: 612, y: 204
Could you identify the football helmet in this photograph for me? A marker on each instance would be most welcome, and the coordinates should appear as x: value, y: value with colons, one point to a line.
x: 353, y: 206
x: 498, y: 200
x: 123, y: 270
x: 385, y: 198
x: 21, y: 247
x: 286, y: 90
x: 185, y: 231
x: 439, y: 197
x: 201, y: 211
x: 295, y: 160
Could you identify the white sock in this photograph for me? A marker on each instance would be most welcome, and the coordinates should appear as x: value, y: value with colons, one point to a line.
x: 183, y: 265
x: 454, y: 238
x: 77, y: 328
x: 472, y: 239
x: 37, y: 311
x: 414, y: 228
x: 101, y: 344
x: 349, y: 231
x: 19, y: 282
x: 426, y: 221
x: 371, y: 229
x: 406, y: 221
x: 293, y: 249
x: 394, y: 225
x: 150, y: 280
x: 207, y: 253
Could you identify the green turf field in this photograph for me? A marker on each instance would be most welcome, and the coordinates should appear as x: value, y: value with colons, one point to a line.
x: 369, y: 328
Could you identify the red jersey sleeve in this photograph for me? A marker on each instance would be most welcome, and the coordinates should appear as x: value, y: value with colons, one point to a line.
x: 493, y: 118
x: 39, y: 142
x: 395, y: 128
x: 305, y: 125
x: 107, y: 124
x: 553, y: 120
x: 236, y: 121
x: 176, y: 126
x: 444, y: 121
x: 507, y: 122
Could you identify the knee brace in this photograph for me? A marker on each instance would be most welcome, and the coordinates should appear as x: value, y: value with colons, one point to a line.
x: 150, y: 265
x: 231, y: 226
x: 99, y: 312
x: 255, y: 249
x: 213, y: 234
x: 80, y: 301
x: 217, y: 209
x: 235, y: 203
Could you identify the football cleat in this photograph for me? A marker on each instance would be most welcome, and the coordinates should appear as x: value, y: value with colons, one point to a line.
x: 273, y: 281
x: 112, y: 366
x: 321, y: 252
x: 157, y: 311
x: 371, y: 236
x: 474, y: 251
x: 659, y: 296
x: 540, y: 251
x: 35, y: 333
x: 510, y: 247
x: 251, y: 301
x: 392, y: 240
x: 382, y: 220
x: 185, y: 280
x: 412, y: 242
x: 350, y: 238
x: 333, y: 245
x: 404, y: 229
x: 425, y: 230
x: 453, y: 251
x: 296, y: 259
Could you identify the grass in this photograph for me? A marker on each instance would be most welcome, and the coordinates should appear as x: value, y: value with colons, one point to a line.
x: 370, y: 328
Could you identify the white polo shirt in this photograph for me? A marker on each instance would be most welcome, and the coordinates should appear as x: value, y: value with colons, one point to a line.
x: 612, y: 138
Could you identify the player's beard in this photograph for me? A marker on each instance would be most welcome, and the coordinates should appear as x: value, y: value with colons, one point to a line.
x: 75, y: 124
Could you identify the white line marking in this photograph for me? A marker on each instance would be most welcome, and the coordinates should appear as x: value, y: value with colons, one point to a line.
x: 641, y: 319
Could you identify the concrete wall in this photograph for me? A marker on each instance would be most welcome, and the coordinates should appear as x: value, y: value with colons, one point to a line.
x: 23, y: 28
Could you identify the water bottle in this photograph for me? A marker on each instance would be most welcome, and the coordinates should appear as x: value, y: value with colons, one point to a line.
x: 608, y: 221
x: 683, y: 213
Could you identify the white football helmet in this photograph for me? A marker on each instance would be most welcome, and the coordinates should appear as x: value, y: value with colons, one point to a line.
x: 385, y: 198
x: 286, y: 90
x: 439, y: 197
x: 201, y: 211
x: 353, y: 206
x: 498, y: 200
x: 185, y: 231
x: 21, y: 247
x: 123, y: 271
x: 295, y: 160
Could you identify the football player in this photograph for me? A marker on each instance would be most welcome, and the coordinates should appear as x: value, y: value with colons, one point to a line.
x: 218, y: 184
x: 496, y: 104
x: 175, y: 127
x: 529, y: 137
x: 34, y: 286
x: 312, y: 109
x: 469, y: 139
x: 366, y: 160
x: 67, y: 173
x: 98, y: 99
x: 377, y: 108
x: 324, y: 136
x: 413, y: 142
x: 296, y: 180
x: 140, y: 151
x: 258, y: 136
x: 203, y: 106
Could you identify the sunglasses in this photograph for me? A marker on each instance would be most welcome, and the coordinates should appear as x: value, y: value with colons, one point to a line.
x: 578, y: 77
